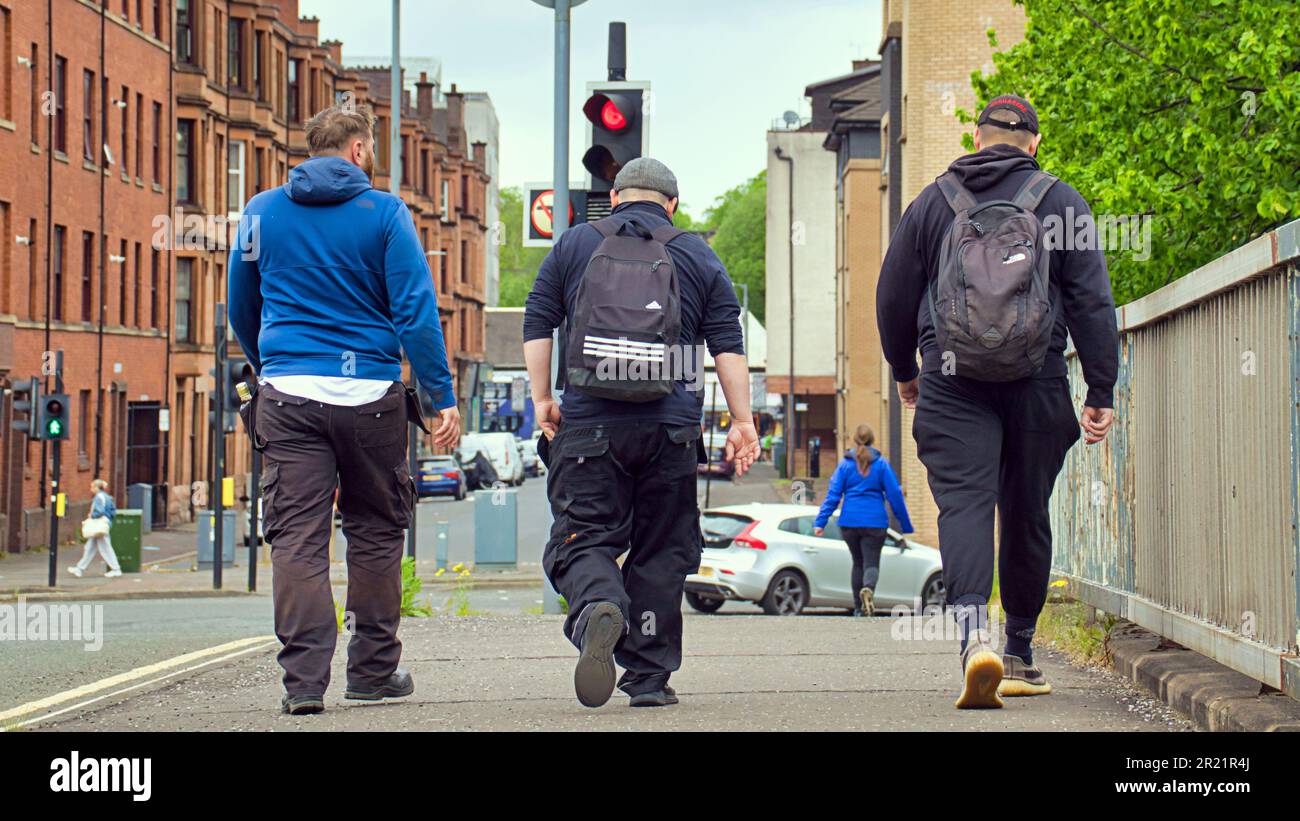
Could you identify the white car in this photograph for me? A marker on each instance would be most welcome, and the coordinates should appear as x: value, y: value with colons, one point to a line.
x: 500, y: 448
x: 767, y: 553
x: 532, y: 462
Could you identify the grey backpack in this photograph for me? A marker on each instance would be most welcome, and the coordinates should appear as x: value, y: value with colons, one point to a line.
x: 990, y: 302
x: 627, y: 320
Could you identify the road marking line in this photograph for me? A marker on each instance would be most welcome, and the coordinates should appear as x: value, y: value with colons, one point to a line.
x: 205, y: 657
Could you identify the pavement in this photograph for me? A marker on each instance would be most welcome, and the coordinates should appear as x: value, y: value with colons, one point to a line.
x: 740, y: 672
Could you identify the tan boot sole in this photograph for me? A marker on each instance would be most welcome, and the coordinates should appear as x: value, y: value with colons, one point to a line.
x: 980, y: 689
x: 1015, y: 688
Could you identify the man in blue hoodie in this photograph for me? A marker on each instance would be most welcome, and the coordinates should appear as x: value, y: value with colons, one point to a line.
x: 339, y: 287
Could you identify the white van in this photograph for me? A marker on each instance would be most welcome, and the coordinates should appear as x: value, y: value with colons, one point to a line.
x: 501, y: 448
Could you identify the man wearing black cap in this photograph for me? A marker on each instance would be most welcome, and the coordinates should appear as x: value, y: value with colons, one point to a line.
x: 621, y: 474
x: 988, y: 444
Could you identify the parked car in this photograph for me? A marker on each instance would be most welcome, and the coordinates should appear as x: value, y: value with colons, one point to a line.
x: 532, y: 463
x: 501, y: 450
x: 440, y: 476
x: 767, y: 553
x: 715, y: 445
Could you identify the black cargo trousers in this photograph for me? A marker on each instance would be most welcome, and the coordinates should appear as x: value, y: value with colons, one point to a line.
x: 626, y: 488
x: 987, y: 445
x: 312, y: 449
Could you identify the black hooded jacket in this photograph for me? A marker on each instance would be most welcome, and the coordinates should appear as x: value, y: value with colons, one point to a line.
x: 1079, y: 283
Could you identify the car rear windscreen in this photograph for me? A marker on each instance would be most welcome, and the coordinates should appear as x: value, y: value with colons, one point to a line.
x: 720, y: 528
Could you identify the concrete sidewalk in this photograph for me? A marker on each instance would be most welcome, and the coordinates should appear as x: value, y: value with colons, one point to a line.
x: 740, y: 673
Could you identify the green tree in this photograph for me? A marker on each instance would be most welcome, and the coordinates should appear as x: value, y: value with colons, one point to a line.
x: 739, y: 220
x: 1184, y: 110
x: 518, y: 264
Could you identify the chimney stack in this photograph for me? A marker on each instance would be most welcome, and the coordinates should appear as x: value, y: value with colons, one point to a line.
x: 424, y: 97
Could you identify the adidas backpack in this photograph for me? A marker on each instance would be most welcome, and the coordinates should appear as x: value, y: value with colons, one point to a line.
x: 990, y: 302
x: 627, y: 319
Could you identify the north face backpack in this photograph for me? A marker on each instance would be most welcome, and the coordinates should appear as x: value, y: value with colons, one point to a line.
x: 624, y: 331
x: 990, y: 302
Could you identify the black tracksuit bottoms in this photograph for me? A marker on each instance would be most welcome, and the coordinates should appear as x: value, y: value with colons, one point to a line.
x: 626, y: 488
x: 987, y: 444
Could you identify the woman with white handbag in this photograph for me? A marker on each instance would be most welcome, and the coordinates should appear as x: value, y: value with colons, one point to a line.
x: 95, y: 531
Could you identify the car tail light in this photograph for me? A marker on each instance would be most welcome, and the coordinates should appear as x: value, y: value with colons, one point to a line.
x: 746, y: 538
x: 453, y: 474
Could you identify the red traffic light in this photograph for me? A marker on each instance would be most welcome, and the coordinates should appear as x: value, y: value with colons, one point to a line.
x: 612, y: 117
x: 611, y: 112
x: 54, y: 407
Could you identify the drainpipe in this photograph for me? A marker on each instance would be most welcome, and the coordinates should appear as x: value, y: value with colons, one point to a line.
x: 103, y: 249
x: 791, y: 427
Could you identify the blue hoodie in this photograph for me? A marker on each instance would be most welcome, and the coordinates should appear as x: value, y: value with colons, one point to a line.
x: 864, y: 496
x: 337, y: 283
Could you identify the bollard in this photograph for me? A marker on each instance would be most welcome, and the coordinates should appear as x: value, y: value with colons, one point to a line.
x: 442, y: 541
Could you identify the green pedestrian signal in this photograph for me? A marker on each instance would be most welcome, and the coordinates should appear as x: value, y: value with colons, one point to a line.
x: 54, y: 417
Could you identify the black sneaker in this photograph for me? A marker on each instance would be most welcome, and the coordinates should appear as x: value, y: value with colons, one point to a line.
x: 655, y: 698
x: 593, y: 677
x: 398, y: 685
x: 301, y: 705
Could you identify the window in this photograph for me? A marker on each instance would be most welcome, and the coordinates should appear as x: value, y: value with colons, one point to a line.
x: 154, y: 268
x: 123, y: 104
x: 121, y: 285
x: 7, y: 60
x: 184, y: 303
x: 381, y: 144
x: 139, y: 136
x: 157, y: 143
x: 60, y: 105
x: 102, y: 151
x: 292, y: 91
x: 257, y: 65
x: 184, y: 32
x: 443, y: 266
x: 235, y: 53
x: 88, y: 115
x: 139, y: 259
x: 185, y: 179
x: 259, y: 158
x: 87, y: 274
x: 464, y: 192
x: 35, y: 90
x: 83, y: 423
x: 32, y: 282
x: 157, y: 18
x: 464, y: 261
x: 445, y: 201
x: 235, y: 178
x: 56, y: 298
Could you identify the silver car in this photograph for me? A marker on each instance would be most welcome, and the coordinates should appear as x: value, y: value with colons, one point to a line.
x: 767, y: 553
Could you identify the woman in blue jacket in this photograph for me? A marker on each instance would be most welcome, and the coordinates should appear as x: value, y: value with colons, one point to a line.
x: 864, y: 482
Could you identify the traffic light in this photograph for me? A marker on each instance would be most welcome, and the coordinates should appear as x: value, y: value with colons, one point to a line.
x: 27, y: 398
x: 238, y: 370
x: 618, y: 130
x: 54, y: 417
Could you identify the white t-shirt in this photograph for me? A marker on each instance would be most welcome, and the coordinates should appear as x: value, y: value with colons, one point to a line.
x: 332, y: 390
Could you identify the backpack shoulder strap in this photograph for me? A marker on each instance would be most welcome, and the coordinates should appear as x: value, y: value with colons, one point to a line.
x: 1033, y: 190
x: 607, y: 227
x: 959, y: 199
x: 665, y: 234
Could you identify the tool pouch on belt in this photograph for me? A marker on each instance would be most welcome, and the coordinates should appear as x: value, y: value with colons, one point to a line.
x: 414, y: 413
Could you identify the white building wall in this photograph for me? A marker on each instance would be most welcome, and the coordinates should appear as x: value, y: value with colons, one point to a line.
x: 814, y: 254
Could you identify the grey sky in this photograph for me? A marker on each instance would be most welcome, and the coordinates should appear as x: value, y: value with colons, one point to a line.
x: 722, y: 70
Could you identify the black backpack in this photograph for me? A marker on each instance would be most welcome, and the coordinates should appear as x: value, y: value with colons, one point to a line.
x: 990, y: 302
x: 623, y: 335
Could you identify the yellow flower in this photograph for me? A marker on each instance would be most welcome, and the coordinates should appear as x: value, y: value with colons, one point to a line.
x: 441, y: 570
x: 458, y: 567
x: 1059, y: 583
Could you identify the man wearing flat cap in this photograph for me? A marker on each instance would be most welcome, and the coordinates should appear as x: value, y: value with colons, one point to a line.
x: 621, y: 472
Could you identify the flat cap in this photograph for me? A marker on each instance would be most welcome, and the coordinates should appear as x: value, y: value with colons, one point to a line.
x: 647, y: 173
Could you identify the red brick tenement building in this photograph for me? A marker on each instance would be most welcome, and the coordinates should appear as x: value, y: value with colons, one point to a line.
x: 130, y: 134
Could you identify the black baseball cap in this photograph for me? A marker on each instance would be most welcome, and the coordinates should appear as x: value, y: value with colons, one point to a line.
x: 1027, y: 116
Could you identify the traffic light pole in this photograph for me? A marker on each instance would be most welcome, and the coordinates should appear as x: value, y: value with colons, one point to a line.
x: 216, y: 486
x: 560, y: 215
x: 412, y: 456
x: 55, y: 479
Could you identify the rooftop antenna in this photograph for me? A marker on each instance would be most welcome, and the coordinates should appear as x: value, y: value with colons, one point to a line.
x: 791, y: 119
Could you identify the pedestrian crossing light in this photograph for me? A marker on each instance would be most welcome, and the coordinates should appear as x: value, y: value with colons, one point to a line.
x: 26, y: 401
x: 54, y: 417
